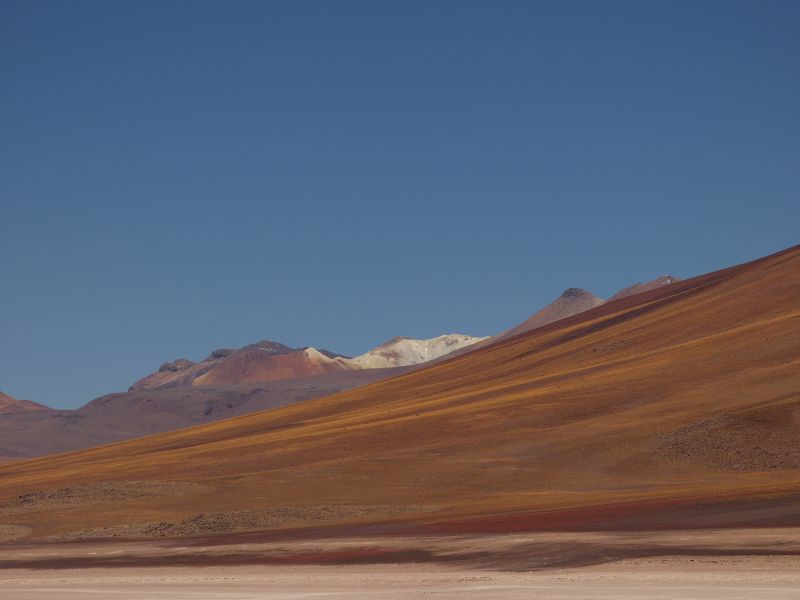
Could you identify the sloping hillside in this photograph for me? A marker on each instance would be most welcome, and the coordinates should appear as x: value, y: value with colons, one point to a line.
x: 574, y: 301
x: 230, y: 382
x: 116, y: 417
x: 639, y: 288
x: 676, y: 407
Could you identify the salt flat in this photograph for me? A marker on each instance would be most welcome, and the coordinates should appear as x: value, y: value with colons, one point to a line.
x: 665, y: 578
x: 708, y: 564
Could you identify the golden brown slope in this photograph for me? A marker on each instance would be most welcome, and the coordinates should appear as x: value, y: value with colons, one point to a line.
x: 128, y: 415
x: 651, y: 401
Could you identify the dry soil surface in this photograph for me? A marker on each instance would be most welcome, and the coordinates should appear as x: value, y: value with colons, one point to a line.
x: 683, y: 578
x: 708, y: 564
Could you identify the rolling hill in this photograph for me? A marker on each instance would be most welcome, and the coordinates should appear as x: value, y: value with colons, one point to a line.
x: 676, y: 407
x: 10, y: 405
x: 230, y: 382
x: 126, y: 415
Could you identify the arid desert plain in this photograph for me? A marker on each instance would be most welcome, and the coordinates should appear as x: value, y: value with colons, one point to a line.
x: 645, y: 565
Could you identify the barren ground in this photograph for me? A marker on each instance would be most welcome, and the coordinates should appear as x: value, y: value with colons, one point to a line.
x: 681, y: 578
x: 729, y: 564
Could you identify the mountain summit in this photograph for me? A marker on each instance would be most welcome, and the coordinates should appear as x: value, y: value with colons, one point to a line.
x: 571, y: 302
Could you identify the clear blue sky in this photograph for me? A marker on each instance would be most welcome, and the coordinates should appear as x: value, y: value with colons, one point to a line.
x: 181, y: 176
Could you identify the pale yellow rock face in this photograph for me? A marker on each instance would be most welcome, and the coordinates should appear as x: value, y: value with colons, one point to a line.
x: 402, y: 352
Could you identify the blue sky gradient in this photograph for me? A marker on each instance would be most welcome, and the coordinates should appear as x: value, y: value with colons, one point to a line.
x: 181, y: 176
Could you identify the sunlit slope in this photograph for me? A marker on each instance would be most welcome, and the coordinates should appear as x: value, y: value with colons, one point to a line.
x: 690, y: 391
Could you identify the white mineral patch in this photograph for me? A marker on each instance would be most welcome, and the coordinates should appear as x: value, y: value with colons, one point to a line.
x: 400, y: 352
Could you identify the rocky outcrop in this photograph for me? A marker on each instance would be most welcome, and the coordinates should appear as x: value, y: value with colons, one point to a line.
x: 176, y: 366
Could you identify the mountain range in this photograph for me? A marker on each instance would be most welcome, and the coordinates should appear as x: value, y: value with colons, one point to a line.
x: 268, y: 360
x: 236, y: 381
x: 674, y: 407
x: 230, y: 382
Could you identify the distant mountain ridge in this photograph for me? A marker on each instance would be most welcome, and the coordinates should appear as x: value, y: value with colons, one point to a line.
x: 9, y: 405
x: 673, y: 408
x: 401, y: 351
x: 229, y: 382
x: 236, y: 381
x: 268, y: 360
